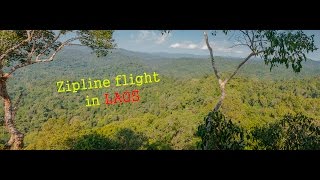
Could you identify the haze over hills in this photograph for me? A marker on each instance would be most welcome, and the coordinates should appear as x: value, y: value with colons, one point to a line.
x: 155, y: 55
x: 148, y: 55
x: 163, y: 55
x: 178, y: 65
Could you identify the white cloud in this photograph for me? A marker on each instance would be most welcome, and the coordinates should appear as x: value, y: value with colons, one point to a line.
x: 238, y: 51
x: 192, y: 46
x: 219, y: 47
x: 176, y: 45
x: 185, y: 45
x: 222, y: 49
x: 204, y: 47
x: 146, y: 35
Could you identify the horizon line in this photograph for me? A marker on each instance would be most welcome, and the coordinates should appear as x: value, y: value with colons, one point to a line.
x: 192, y: 54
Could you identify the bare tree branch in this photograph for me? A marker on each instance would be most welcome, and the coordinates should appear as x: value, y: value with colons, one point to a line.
x: 221, y: 83
x: 73, y: 44
x: 252, y: 40
x: 239, y: 66
x: 251, y: 45
x: 37, y: 60
x: 246, y: 32
x: 211, y: 55
x: 52, y: 56
x: 240, y: 44
x: 57, y: 50
x: 244, y: 37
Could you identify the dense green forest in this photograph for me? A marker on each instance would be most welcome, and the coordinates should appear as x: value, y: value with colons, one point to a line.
x: 169, y: 112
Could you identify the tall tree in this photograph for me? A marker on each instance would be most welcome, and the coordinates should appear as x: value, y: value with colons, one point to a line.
x: 20, y: 48
x: 273, y: 46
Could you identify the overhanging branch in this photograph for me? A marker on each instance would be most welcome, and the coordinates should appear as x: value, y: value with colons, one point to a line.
x: 67, y: 42
x: 37, y: 59
x: 29, y: 38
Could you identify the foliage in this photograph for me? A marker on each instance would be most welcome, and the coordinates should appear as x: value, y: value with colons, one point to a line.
x: 221, y: 133
x: 169, y: 112
x: 293, y: 132
x: 124, y: 139
x: 278, y: 47
x: 99, y: 41
x: 24, y: 46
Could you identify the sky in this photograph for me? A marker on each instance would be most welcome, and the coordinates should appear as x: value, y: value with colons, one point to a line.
x: 189, y: 42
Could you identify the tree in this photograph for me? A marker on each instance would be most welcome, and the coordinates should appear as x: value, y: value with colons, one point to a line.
x: 273, y: 46
x: 293, y: 132
x: 20, y: 48
x: 222, y: 134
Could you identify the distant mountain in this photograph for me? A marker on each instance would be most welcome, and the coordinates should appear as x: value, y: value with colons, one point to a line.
x: 156, y: 55
x: 178, y: 55
x: 159, y: 55
x: 80, y: 61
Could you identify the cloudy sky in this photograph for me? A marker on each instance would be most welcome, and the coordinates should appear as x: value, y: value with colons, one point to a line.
x: 188, y: 41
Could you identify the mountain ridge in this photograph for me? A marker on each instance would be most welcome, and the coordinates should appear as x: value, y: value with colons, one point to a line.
x: 81, y: 62
x: 166, y: 55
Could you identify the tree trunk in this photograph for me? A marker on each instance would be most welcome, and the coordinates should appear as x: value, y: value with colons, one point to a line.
x: 16, y: 139
x: 217, y: 107
x: 223, y: 95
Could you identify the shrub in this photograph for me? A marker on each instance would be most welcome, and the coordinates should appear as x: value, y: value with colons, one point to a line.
x: 219, y: 133
x: 293, y: 132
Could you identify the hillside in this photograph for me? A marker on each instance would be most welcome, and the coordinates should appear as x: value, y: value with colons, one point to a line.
x: 169, y: 112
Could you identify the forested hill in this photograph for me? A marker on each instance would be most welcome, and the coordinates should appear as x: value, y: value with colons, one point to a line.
x: 189, y: 65
x: 79, y: 60
x: 169, y: 112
